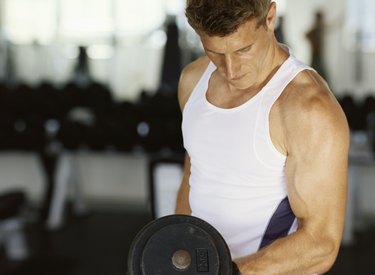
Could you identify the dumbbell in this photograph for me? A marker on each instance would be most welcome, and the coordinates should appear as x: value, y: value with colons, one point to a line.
x: 179, y: 245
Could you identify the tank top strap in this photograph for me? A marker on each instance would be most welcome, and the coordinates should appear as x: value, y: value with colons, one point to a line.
x: 284, y: 75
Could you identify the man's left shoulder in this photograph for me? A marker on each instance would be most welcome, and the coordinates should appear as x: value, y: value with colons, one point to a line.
x: 308, y: 101
x: 312, y: 116
x: 309, y: 92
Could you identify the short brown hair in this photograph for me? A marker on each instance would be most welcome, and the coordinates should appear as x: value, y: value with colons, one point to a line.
x: 223, y: 17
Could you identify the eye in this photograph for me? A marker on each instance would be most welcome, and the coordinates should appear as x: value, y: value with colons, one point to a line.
x: 245, y: 50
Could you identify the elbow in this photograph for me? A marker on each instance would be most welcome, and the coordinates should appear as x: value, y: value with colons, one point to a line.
x: 328, y: 251
x: 326, y: 265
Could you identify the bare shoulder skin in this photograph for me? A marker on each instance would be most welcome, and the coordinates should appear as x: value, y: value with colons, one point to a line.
x: 189, y: 79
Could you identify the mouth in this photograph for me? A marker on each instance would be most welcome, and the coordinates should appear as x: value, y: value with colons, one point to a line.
x: 237, y: 78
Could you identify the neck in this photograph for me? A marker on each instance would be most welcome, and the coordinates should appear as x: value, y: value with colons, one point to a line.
x: 274, y: 59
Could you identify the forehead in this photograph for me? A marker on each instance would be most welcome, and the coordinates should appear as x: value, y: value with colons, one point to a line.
x: 245, y: 35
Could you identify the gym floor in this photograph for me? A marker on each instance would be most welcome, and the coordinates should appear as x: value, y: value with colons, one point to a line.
x: 98, y: 243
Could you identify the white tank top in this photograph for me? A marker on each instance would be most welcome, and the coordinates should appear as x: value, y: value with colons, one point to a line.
x: 237, y: 180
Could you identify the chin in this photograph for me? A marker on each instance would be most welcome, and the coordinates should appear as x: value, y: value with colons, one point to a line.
x: 241, y: 85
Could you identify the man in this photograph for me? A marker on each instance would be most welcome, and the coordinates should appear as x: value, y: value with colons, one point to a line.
x: 266, y: 141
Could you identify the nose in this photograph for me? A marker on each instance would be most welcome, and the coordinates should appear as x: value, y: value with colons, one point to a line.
x: 231, y: 67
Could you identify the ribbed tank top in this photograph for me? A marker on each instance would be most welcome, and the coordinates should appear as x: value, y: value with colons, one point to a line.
x: 237, y: 180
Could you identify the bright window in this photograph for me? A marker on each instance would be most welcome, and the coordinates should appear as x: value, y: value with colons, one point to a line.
x: 281, y: 6
x: 140, y: 16
x: 360, y: 24
x: 82, y: 21
x: 27, y: 21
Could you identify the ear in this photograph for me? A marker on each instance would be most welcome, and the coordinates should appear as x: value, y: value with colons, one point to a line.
x: 271, y: 17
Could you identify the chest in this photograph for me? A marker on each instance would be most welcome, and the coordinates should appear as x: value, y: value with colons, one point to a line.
x: 223, y: 95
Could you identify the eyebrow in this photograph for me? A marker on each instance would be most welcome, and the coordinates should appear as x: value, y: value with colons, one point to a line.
x: 244, y: 48
x: 211, y: 51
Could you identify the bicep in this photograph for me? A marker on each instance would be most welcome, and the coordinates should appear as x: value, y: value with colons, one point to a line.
x: 317, y: 188
x: 187, y: 166
x: 182, y: 202
x: 316, y: 172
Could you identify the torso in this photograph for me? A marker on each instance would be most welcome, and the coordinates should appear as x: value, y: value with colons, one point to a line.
x: 216, y: 118
x: 217, y: 94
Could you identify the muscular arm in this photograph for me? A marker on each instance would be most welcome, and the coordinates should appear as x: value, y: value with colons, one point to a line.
x: 316, y: 142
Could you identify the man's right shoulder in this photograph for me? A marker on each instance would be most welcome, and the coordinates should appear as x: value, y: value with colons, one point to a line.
x: 189, y: 78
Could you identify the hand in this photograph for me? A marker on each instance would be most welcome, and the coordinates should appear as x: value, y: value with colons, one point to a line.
x: 236, y: 271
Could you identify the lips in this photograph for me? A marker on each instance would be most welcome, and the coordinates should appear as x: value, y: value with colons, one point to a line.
x: 236, y: 78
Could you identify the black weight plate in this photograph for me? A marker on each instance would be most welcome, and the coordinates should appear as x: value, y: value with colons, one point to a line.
x: 152, y: 249
x: 159, y: 249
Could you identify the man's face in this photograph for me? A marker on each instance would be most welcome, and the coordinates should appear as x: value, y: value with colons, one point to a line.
x: 240, y: 57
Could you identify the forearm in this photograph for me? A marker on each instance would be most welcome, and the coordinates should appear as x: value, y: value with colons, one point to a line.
x: 296, y: 254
